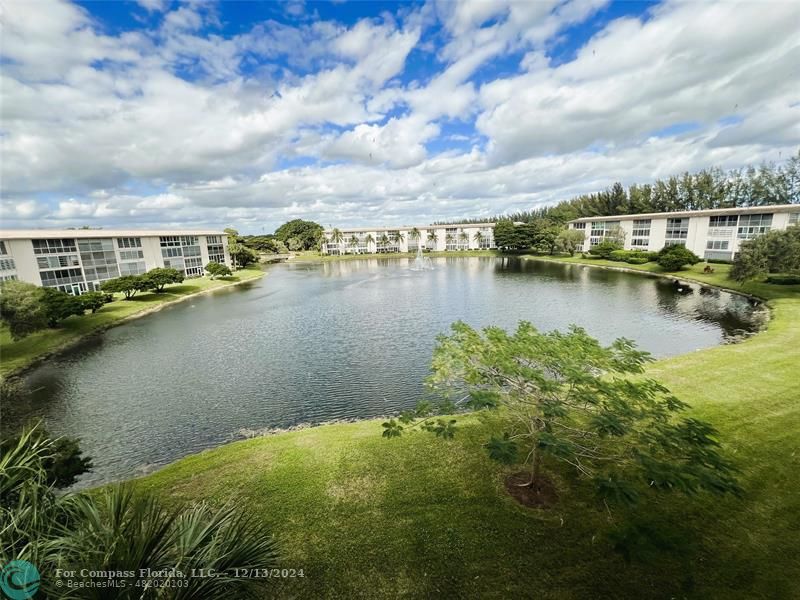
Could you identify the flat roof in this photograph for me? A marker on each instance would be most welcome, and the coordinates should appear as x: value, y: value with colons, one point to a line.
x: 410, y: 227
x: 38, y: 234
x: 775, y: 208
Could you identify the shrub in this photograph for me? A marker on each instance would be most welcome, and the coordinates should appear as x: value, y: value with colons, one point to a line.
x: 672, y: 258
x: 215, y: 269
x: 637, y: 260
x: 626, y: 255
x: 784, y: 279
x: 127, y: 284
x: 605, y: 248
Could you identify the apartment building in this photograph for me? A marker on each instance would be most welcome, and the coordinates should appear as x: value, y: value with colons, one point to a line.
x: 368, y: 240
x: 79, y: 260
x: 711, y: 234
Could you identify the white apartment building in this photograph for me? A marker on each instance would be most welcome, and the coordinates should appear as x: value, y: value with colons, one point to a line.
x: 451, y: 237
x: 711, y: 234
x: 79, y: 260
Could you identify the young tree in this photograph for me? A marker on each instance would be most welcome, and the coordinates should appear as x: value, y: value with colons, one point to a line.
x: 127, y: 285
x: 21, y: 308
x: 570, y: 240
x: 59, y: 305
x: 567, y: 398
x: 337, y: 237
x: 156, y: 279
x: 94, y: 301
x: 673, y: 258
x: 215, y: 269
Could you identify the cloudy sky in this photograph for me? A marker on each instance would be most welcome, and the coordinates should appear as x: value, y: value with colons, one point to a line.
x: 159, y: 113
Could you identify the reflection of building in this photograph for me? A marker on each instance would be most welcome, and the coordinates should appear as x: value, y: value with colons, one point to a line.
x: 79, y: 260
x: 714, y: 234
x: 451, y: 237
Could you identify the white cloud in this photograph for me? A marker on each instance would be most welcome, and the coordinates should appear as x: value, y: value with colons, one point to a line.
x: 109, y: 129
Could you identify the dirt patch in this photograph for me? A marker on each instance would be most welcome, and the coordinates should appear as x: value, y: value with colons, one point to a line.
x: 544, y: 496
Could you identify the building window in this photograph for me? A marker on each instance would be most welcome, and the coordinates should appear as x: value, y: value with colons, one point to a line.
x: 674, y: 243
x: 170, y: 241
x: 640, y: 242
x: 99, y: 259
x: 794, y: 219
x: 751, y: 226
x: 132, y: 268
x: 677, y: 229
x: 723, y: 221
x: 579, y: 225
x: 131, y: 254
x: 174, y: 263
x: 61, y: 277
x: 129, y: 242
x: 717, y: 245
x: 57, y: 262
x: 54, y: 246
x: 213, y: 239
x: 641, y: 228
x: 3, y: 250
x: 7, y: 264
x: 8, y: 277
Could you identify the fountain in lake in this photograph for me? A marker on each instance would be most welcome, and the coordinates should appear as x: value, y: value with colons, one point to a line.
x: 421, y: 263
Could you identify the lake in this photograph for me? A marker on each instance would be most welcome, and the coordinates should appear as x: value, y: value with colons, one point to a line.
x: 314, y: 342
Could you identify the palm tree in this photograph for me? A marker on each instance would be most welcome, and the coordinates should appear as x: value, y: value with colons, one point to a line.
x: 478, y: 238
x: 384, y: 241
x: 119, y: 528
x: 449, y: 239
x: 369, y: 240
x: 414, y: 234
x: 353, y: 242
x: 396, y: 238
x: 433, y: 239
x: 463, y: 238
x: 337, y: 238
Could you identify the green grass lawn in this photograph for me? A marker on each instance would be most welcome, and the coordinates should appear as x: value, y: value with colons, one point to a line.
x: 419, y: 517
x: 18, y: 354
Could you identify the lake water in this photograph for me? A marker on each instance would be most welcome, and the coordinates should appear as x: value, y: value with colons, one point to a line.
x: 310, y: 343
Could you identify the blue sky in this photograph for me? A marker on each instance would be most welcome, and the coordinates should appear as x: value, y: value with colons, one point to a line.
x: 154, y: 113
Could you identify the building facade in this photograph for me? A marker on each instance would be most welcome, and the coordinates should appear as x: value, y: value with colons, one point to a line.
x: 711, y: 234
x: 79, y: 260
x: 380, y: 240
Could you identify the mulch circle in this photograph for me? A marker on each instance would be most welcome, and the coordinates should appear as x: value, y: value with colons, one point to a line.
x: 543, y: 497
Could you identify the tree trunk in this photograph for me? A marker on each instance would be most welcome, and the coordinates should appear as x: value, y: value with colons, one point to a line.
x: 536, y: 473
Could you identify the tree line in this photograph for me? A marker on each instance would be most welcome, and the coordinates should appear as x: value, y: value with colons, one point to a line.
x: 765, y: 185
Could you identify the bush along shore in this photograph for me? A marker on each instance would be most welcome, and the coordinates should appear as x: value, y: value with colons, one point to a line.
x: 17, y: 356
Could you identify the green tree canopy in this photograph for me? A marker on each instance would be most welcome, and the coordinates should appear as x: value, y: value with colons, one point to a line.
x: 157, y: 279
x: 59, y: 305
x: 773, y: 252
x: 673, y: 258
x: 567, y: 398
x: 21, y: 308
x: 306, y: 232
x: 127, y: 285
x: 215, y: 269
x: 94, y: 301
x: 570, y: 240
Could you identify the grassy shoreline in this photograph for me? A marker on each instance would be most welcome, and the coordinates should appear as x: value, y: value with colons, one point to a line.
x: 16, y: 357
x: 419, y: 517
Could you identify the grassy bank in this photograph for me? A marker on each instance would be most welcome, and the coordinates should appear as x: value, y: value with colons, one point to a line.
x: 419, y: 517
x: 17, y: 355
